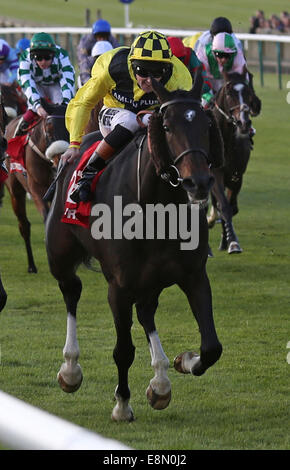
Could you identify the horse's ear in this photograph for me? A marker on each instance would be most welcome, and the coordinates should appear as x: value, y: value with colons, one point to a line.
x: 216, y: 144
x: 160, y: 91
x: 157, y: 143
x: 197, y: 83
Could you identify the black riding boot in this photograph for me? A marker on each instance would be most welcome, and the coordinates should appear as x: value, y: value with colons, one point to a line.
x: 119, y: 137
x: 82, y: 192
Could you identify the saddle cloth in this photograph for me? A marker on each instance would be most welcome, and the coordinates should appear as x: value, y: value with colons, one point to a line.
x: 79, y: 213
x: 15, y: 150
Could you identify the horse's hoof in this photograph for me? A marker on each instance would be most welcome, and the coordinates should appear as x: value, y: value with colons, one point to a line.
x: 158, y: 402
x: 117, y: 416
x: 185, y: 362
x: 68, y: 388
x: 209, y: 252
x: 32, y: 269
x: 234, y: 248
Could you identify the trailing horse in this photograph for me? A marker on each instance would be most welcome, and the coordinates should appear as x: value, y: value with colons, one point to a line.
x: 14, y: 100
x: 32, y: 166
x: 235, y: 102
x: 169, y: 169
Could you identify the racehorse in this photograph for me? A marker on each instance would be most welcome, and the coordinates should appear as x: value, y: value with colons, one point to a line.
x: 170, y: 166
x: 235, y: 103
x: 46, y: 140
x: 14, y: 100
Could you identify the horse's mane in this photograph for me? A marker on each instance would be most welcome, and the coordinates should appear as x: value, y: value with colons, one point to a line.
x: 53, y: 109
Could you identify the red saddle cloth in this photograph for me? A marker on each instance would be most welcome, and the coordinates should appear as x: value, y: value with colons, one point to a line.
x: 15, y: 150
x: 79, y: 213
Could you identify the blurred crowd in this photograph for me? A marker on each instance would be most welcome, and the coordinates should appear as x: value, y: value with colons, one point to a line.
x: 273, y: 25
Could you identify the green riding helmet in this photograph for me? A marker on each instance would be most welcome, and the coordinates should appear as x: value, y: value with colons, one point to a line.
x: 42, y: 41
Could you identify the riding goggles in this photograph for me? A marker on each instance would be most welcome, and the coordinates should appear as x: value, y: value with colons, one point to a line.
x: 222, y: 55
x: 42, y: 56
x: 150, y: 69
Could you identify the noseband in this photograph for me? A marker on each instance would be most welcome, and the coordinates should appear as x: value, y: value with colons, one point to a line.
x: 166, y: 176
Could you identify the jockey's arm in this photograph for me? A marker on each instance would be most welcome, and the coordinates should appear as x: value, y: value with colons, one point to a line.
x: 86, y: 98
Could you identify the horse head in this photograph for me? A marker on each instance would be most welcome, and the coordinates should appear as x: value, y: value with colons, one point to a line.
x: 179, y: 140
x: 235, y: 101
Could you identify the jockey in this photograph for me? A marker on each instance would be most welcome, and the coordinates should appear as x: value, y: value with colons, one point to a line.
x: 21, y: 45
x: 8, y: 64
x: 45, y: 71
x: 222, y: 54
x: 219, y: 25
x: 190, y: 59
x: 122, y: 78
x: 101, y: 31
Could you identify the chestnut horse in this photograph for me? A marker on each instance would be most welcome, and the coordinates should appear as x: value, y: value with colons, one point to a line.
x: 169, y: 168
x: 235, y: 103
x: 47, y: 140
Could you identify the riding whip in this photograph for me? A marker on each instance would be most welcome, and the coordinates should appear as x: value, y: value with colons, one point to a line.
x: 50, y: 192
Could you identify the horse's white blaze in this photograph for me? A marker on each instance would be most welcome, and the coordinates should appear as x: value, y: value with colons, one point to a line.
x: 70, y: 370
x: 159, y: 361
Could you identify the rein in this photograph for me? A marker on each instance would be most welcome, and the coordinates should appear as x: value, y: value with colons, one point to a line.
x: 33, y: 145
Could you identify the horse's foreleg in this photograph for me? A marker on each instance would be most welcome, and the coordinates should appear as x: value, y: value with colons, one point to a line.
x: 198, y: 292
x: 70, y: 375
x: 159, y: 390
x: 18, y: 199
x: 124, y: 351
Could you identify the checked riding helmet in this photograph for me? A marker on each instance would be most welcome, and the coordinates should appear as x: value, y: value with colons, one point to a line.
x: 42, y: 42
x: 150, y: 54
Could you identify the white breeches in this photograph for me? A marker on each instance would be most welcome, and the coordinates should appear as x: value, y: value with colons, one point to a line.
x: 111, y: 117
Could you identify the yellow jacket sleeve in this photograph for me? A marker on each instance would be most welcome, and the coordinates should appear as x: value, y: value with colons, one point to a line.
x: 87, y: 97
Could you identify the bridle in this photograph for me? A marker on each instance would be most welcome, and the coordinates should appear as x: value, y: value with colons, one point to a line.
x: 34, y: 146
x: 243, y: 107
x: 166, y: 175
x: 171, y: 175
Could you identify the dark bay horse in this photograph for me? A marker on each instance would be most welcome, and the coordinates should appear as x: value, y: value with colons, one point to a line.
x: 47, y: 140
x: 14, y: 100
x: 169, y: 168
x: 235, y: 103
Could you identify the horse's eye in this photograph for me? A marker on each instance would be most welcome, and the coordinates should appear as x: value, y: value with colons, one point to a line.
x: 166, y: 128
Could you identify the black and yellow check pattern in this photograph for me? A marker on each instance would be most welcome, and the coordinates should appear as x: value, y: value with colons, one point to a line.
x: 151, y: 45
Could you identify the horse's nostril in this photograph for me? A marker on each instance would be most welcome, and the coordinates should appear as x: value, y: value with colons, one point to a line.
x: 188, y: 184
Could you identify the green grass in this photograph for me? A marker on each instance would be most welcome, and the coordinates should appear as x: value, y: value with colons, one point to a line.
x: 186, y: 14
x: 240, y: 403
